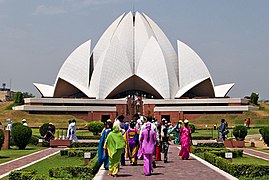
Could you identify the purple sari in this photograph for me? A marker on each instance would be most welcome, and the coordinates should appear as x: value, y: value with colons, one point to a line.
x: 147, y: 148
x: 131, y: 145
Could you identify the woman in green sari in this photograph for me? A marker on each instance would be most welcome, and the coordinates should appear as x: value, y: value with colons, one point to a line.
x: 114, y: 144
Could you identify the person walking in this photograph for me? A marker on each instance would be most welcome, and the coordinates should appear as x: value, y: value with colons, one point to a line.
x: 132, y: 143
x: 222, y: 129
x: 102, y: 154
x: 177, y: 136
x: 147, y: 145
x: 49, y: 134
x: 114, y: 144
x: 185, y: 139
x: 73, y: 130
x: 24, y: 122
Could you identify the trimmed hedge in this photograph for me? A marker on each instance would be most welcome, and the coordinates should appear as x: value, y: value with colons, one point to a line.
x: 237, y: 170
x: 97, y: 137
x: 34, y: 140
x: 70, y: 152
x: 81, y: 172
x: 25, y: 175
x: 217, y: 151
x: 213, y: 144
x: 84, y: 144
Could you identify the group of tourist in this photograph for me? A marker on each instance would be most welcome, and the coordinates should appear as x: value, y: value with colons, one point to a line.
x: 141, y: 138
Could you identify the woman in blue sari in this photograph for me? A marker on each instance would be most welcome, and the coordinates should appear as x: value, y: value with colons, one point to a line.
x: 103, y: 157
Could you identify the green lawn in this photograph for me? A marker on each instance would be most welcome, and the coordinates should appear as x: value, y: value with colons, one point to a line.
x: 246, y: 159
x: 55, y: 161
x: 14, y: 153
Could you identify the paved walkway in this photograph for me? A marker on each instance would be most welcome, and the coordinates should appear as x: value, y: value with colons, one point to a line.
x: 20, y: 163
x: 174, y: 169
x: 255, y: 153
x: 194, y: 168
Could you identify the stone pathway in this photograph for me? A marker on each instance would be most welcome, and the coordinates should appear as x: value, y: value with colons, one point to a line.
x: 174, y: 169
x: 20, y: 163
x: 255, y: 153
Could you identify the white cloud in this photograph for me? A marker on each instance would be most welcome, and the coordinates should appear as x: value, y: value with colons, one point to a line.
x: 48, y: 10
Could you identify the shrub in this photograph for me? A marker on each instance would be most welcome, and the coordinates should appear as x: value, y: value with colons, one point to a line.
x: 78, y: 151
x: 240, y: 132
x: 24, y: 175
x: 213, y: 145
x: 2, y: 138
x: 80, y: 172
x: 265, y: 134
x: 95, y: 127
x: 192, y: 128
x: 15, y: 124
x: 21, y: 135
x: 44, y: 127
x: 34, y: 140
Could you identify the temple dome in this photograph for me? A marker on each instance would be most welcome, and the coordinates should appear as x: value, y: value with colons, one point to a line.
x: 133, y: 55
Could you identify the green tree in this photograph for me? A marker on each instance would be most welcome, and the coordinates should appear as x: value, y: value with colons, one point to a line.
x: 95, y: 127
x: 254, y: 97
x: 265, y: 135
x: 27, y: 95
x: 240, y: 132
x: 18, y: 98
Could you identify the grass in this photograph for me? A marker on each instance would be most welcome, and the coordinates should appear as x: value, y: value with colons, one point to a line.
x: 14, y: 153
x: 60, y: 132
x: 55, y: 161
x: 37, y: 120
x: 246, y: 159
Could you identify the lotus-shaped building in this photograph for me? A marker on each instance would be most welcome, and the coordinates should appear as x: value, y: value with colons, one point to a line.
x: 133, y: 56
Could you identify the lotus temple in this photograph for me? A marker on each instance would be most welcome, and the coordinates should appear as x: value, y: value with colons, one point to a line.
x: 134, y: 68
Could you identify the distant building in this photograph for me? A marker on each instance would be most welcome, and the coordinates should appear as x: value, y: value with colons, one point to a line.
x: 6, y: 94
x: 134, y: 68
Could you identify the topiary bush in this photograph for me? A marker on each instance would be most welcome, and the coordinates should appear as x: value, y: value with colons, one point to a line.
x: 2, y: 138
x: 192, y: 128
x: 265, y: 135
x: 15, y: 124
x: 240, y: 132
x: 21, y: 135
x: 44, y: 127
x: 95, y: 127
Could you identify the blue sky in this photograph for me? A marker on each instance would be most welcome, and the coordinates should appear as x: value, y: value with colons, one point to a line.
x: 231, y: 37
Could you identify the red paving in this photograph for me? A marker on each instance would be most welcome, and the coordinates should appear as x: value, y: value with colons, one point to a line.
x: 256, y: 153
x: 16, y: 164
x: 174, y: 169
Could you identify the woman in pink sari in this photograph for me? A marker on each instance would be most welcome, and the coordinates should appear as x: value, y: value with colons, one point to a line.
x: 185, y: 138
x: 147, y: 145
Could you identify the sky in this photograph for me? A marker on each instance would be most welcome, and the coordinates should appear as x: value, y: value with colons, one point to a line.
x: 231, y: 37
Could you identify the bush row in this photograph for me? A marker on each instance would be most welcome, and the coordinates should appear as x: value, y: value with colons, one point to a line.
x: 217, y: 151
x: 213, y: 145
x: 84, y: 144
x: 97, y: 137
x: 237, y: 170
x: 80, y: 172
x: 78, y: 152
x: 25, y: 175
